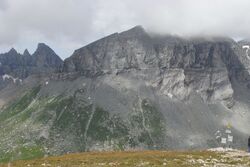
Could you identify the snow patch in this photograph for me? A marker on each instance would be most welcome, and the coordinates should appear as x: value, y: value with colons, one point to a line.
x: 170, y: 95
x: 220, y: 149
x: 6, y: 76
x: 247, y: 49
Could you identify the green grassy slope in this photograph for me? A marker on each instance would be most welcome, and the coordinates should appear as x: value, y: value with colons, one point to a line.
x: 35, y: 126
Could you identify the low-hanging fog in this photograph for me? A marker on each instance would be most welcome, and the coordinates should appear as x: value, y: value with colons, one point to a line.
x: 66, y: 25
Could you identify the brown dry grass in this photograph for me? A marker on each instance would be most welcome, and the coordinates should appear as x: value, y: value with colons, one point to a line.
x: 134, y: 158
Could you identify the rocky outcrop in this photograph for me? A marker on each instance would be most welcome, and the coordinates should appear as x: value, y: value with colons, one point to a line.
x: 44, y: 56
x: 44, y: 60
x: 26, y: 53
x: 181, y: 66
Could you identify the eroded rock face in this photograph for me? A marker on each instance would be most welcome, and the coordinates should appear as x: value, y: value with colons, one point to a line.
x: 14, y: 67
x: 45, y: 57
x: 182, y: 66
x: 44, y: 60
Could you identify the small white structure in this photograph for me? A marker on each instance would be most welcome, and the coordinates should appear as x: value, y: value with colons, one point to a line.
x: 230, y: 138
x: 225, y: 137
x: 228, y: 131
x: 223, y: 140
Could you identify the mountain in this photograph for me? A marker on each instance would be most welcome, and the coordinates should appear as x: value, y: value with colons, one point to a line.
x: 16, y: 66
x: 26, y: 53
x: 45, y: 57
x: 172, y: 65
x: 129, y: 90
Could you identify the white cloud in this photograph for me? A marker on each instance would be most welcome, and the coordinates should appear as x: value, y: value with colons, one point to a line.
x: 3, y: 4
x: 69, y: 24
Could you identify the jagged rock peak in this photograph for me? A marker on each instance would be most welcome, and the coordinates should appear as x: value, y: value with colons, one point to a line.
x: 46, y: 57
x: 12, y: 51
x: 44, y: 50
x: 26, y: 52
x: 137, y: 28
x: 134, y: 32
x: 42, y: 47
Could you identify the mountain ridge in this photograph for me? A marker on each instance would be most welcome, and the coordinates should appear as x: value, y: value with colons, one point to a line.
x: 112, y: 54
x: 22, y: 65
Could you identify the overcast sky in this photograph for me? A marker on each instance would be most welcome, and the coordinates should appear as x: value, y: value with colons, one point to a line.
x: 66, y: 25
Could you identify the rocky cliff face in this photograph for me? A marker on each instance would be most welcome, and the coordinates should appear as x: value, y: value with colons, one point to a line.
x: 130, y: 90
x: 44, y: 56
x: 176, y: 67
x: 15, y: 66
x: 22, y: 65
